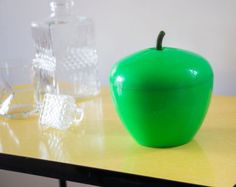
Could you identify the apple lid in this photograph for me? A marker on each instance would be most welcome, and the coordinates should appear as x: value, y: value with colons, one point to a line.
x: 161, y: 68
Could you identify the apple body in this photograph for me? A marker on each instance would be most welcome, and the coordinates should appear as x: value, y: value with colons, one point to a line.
x: 162, y: 96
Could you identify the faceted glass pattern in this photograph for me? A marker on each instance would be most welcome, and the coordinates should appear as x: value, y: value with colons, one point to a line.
x: 59, y: 111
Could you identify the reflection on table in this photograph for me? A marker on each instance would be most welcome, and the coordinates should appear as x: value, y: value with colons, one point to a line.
x: 101, y: 141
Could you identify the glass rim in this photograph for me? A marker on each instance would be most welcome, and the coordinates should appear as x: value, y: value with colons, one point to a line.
x: 14, y: 64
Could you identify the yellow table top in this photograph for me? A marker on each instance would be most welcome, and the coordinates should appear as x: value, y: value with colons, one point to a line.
x: 101, y: 141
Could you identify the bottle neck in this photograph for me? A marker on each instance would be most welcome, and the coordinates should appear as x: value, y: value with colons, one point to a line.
x: 60, y: 8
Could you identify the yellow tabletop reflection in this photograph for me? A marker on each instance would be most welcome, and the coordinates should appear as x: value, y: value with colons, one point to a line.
x: 101, y: 141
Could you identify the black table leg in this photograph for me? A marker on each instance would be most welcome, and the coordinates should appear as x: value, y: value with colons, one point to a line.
x: 62, y: 183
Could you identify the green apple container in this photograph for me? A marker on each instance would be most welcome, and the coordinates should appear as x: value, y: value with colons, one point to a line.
x: 162, y: 94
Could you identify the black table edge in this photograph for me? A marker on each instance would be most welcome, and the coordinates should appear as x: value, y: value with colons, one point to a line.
x: 81, y: 174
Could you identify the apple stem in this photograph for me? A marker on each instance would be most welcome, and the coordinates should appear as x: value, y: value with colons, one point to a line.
x: 159, y: 40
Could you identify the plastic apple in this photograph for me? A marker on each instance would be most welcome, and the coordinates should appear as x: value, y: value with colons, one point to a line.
x: 162, y: 94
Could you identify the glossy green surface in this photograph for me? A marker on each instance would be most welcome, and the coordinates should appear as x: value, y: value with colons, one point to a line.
x: 162, y: 96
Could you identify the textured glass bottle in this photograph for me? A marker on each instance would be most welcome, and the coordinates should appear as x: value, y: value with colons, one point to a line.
x: 66, y: 58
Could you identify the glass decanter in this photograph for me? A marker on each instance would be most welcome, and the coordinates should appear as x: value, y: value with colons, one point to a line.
x: 66, y: 58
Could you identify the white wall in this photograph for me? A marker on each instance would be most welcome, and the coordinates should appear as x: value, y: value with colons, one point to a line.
x: 123, y: 26
x: 15, y: 179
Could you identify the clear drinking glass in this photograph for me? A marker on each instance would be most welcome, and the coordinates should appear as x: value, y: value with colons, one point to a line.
x: 16, y: 90
x: 44, y: 63
x: 65, y: 43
